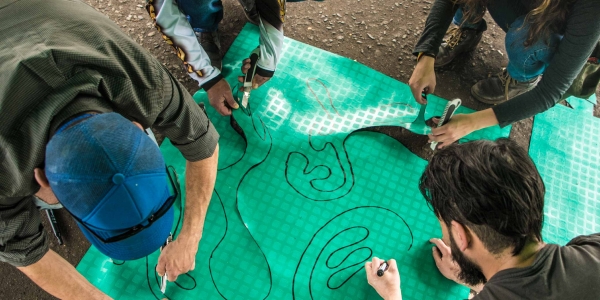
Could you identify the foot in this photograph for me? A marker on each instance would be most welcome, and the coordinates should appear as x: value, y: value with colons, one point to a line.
x: 459, y: 40
x: 212, y: 46
x: 501, y: 88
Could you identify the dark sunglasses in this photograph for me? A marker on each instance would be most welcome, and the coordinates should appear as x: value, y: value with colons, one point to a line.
x: 138, y: 228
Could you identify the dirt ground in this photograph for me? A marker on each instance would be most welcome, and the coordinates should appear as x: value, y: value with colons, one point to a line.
x: 379, y: 34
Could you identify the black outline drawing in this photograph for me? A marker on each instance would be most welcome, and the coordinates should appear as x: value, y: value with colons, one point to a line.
x: 317, y: 258
x: 266, y: 133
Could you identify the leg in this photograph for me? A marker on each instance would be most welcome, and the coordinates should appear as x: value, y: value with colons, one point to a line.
x: 460, y: 39
x: 463, y: 24
x: 250, y: 11
x: 525, y: 65
x: 204, y: 17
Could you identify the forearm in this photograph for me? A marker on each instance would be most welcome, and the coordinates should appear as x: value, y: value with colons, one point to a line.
x: 200, y: 181
x: 60, y: 279
x: 483, y: 119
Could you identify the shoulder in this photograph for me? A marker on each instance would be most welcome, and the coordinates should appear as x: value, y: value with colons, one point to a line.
x: 583, y: 244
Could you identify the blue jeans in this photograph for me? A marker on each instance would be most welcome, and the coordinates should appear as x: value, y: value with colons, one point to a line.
x: 524, y: 63
x: 203, y: 15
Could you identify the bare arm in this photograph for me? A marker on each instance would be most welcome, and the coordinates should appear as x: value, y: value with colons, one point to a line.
x: 59, y: 278
x: 200, y: 182
x: 462, y: 124
x: 179, y: 256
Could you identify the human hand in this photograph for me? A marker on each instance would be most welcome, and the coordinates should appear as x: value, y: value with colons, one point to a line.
x: 388, y: 285
x: 444, y: 261
x: 221, y: 98
x: 459, y: 126
x: 422, y: 79
x: 257, y: 81
x: 178, y: 257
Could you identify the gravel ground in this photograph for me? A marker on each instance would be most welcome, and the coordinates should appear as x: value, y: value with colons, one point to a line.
x: 379, y: 34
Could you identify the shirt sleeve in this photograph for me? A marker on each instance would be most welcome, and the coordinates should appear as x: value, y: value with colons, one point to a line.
x: 177, y: 32
x: 185, y: 123
x: 272, y: 17
x: 581, y: 36
x: 592, y: 240
x: 23, y: 240
x: 437, y: 24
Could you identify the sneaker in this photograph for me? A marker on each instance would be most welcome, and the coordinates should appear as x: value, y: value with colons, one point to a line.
x: 459, y: 40
x: 212, y: 46
x: 501, y: 88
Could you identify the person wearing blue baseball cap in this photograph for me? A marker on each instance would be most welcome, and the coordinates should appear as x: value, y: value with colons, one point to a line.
x: 76, y: 94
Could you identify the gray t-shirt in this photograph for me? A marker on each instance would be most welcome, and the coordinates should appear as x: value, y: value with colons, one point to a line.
x: 569, y: 272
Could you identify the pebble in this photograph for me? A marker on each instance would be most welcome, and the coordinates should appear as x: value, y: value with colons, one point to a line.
x: 128, y: 18
x: 340, y: 37
x: 370, y: 36
x: 404, y: 36
x: 140, y: 17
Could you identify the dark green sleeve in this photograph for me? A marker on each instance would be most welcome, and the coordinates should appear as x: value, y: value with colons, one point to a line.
x: 22, y: 238
x: 185, y: 123
x: 581, y: 35
x: 438, y: 21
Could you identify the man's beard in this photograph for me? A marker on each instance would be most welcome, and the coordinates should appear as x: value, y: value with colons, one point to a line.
x: 470, y: 273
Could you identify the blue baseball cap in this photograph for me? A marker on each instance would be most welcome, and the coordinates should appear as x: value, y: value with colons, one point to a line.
x: 112, y: 178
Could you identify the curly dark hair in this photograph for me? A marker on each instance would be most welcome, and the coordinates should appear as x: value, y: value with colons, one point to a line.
x: 492, y: 187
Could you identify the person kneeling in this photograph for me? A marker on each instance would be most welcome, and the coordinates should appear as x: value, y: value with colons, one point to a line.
x: 489, y: 199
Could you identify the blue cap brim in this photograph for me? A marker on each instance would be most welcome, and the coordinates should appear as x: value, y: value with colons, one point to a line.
x: 140, y: 245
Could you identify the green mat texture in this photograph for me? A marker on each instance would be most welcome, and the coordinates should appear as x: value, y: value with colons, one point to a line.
x: 564, y: 146
x: 305, y: 192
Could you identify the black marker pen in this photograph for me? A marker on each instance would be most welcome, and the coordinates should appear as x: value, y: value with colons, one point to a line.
x: 382, y: 268
x: 54, y: 225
